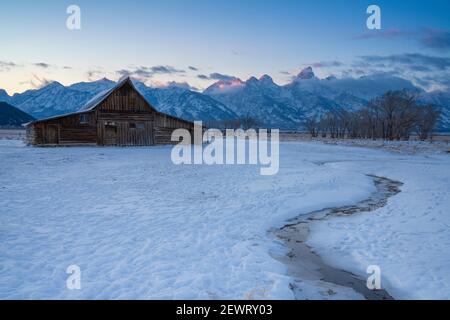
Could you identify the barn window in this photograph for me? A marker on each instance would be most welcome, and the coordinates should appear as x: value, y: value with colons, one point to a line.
x: 132, y: 125
x: 110, y: 129
x: 84, y: 118
x: 140, y: 126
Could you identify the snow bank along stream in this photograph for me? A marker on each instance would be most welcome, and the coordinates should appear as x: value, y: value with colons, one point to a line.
x: 304, y: 263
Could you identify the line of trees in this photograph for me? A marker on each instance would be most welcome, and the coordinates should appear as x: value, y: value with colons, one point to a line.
x: 244, y: 122
x: 396, y: 115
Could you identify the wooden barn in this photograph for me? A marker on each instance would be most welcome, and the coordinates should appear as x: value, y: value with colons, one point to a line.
x: 120, y: 116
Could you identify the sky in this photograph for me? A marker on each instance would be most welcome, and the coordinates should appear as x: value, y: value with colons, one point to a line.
x: 197, y: 42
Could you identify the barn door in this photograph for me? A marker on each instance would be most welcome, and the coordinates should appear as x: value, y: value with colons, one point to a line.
x: 110, y: 135
x: 51, y: 134
x: 139, y: 134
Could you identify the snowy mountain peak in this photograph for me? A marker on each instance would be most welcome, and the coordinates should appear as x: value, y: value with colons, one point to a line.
x: 266, y: 79
x: 252, y: 80
x: 103, y: 80
x: 306, y: 74
x: 54, y: 84
x: 93, y: 87
x: 225, y: 86
x: 4, y: 96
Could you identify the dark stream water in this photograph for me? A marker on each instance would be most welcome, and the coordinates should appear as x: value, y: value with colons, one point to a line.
x: 305, y: 264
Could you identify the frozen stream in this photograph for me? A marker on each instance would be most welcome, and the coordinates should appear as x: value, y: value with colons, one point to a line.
x: 304, y: 263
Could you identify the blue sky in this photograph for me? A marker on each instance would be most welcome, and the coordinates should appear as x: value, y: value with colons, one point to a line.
x: 158, y: 41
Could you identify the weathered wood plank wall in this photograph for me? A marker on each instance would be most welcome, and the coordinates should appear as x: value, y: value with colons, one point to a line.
x: 124, y: 118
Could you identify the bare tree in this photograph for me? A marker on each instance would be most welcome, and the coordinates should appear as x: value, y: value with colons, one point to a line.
x: 248, y: 122
x: 393, y: 116
x: 428, y: 117
x: 312, y: 125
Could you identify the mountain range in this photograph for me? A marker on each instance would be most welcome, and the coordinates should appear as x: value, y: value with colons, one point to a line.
x: 11, y: 117
x: 55, y: 99
x: 272, y: 105
x: 307, y: 96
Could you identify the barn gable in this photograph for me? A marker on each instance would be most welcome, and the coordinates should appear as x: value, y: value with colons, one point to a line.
x: 114, y: 97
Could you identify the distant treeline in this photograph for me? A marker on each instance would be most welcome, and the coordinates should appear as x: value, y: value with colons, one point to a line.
x: 396, y: 115
x: 245, y: 122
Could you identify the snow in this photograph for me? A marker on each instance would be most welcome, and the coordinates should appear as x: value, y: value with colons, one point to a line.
x: 306, y: 74
x: 440, y: 145
x: 140, y: 227
x: 409, y: 239
x: 317, y: 290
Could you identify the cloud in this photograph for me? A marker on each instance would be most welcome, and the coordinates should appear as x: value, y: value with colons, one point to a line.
x: 410, y: 60
x: 433, y: 82
x: 37, y: 82
x: 436, y: 39
x: 426, y: 71
x: 216, y: 76
x: 221, y: 77
x: 193, y: 68
x: 141, y: 74
x: 145, y: 73
x: 45, y: 65
x: 420, y: 68
x: 182, y: 85
x: 124, y: 72
x: 42, y: 65
x: 327, y: 64
x: 7, y: 65
x: 162, y: 69
x: 94, y: 74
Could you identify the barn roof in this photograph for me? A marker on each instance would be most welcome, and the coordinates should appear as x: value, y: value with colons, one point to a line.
x: 54, y: 117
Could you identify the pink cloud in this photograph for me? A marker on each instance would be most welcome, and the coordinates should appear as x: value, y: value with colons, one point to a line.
x: 386, y: 34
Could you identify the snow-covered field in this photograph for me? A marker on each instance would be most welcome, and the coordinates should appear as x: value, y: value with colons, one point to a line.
x: 140, y: 227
